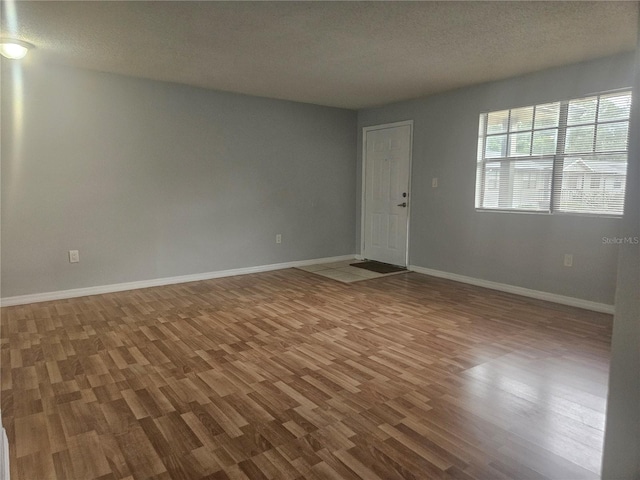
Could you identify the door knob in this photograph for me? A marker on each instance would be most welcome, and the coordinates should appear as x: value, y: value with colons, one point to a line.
x: 403, y: 204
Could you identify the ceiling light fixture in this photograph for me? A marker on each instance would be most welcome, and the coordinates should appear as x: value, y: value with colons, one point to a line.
x: 14, y: 49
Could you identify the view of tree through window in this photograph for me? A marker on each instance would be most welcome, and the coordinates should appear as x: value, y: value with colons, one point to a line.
x: 568, y: 156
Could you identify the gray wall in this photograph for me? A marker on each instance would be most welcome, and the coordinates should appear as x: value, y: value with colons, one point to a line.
x: 621, y: 459
x: 447, y: 233
x: 151, y: 180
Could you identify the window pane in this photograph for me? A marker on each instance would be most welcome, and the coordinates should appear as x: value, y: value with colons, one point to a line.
x: 594, y: 184
x: 532, y: 184
x: 547, y: 115
x: 496, y: 146
x: 579, y: 139
x: 519, y: 144
x: 582, y: 111
x: 483, y: 118
x: 544, y: 142
x: 517, y: 185
x: 614, y: 107
x: 521, y: 119
x: 612, y: 137
x: 491, y: 192
x: 497, y: 122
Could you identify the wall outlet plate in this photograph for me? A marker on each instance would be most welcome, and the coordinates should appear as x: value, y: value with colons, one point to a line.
x: 74, y: 256
x: 568, y: 259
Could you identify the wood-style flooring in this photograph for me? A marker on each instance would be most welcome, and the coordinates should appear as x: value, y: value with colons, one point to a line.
x: 289, y: 375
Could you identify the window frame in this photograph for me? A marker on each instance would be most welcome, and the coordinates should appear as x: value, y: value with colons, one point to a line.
x: 557, y: 158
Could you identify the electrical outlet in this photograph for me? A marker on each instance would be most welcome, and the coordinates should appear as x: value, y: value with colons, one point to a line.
x: 279, y: 238
x: 74, y: 256
x: 434, y: 182
x: 568, y: 260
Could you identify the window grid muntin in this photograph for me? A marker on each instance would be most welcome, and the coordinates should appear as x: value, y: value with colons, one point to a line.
x: 558, y: 159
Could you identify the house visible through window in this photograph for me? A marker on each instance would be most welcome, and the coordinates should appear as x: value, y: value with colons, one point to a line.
x: 568, y: 156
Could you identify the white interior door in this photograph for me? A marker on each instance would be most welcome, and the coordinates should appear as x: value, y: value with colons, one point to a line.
x: 387, y: 165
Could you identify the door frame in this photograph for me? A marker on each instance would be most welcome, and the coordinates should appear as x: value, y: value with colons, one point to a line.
x: 363, y: 199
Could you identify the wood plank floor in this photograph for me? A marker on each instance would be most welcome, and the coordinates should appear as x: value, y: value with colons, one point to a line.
x: 289, y: 375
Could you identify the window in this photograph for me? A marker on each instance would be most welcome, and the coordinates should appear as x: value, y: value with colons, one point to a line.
x: 566, y: 156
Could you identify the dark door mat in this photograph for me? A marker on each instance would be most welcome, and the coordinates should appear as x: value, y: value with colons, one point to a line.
x: 379, y: 267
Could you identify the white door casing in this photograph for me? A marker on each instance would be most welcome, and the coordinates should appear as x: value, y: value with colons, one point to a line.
x: 386, y: 177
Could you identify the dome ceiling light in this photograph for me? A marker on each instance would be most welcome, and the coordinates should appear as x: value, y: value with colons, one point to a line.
x: 14, y: 49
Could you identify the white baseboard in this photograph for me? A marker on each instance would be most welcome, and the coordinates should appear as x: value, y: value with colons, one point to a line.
x: 157, y: 282
x: 525, y: 292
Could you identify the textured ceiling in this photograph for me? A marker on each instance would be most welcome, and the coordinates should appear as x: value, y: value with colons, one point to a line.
x: 346, y: 54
